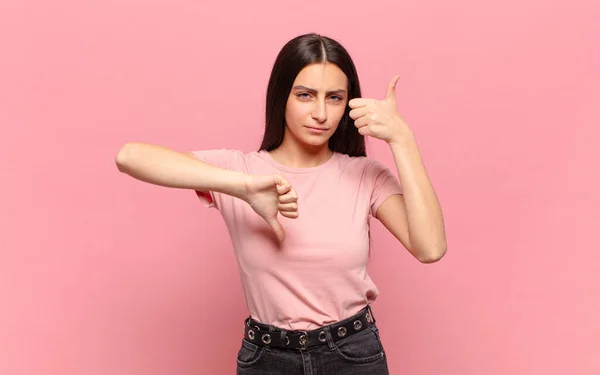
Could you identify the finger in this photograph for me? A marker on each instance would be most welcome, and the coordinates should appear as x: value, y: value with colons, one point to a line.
x: 363, y: 121
x: 360, y: 102
x: 359, y: 112
x: 288, y: 207
x: 283, y: 186
x: 391, y: 88
x: 365, y: 130
x: 277, y: 228
x: 290, y: 214
x: 290, y: 197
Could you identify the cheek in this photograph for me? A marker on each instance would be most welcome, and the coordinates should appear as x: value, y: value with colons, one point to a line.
x: 337, y: 114
x: 290, y: 119
x: 295, y: 113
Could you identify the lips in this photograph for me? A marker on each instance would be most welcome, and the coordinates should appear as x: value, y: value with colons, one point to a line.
x: 316, y: 128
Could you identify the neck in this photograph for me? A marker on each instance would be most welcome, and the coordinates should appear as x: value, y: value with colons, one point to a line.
x: 294, y: 155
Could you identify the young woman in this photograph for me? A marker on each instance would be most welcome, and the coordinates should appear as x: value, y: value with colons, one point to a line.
x: 298, y: 211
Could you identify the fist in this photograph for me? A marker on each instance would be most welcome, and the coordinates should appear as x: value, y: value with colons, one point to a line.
x: 379, y: 118
x: 269, y: 196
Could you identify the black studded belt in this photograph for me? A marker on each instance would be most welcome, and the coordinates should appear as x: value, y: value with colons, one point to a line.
x: 268, y: 335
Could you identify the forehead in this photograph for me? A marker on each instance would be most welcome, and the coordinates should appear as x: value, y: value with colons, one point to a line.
x: 322, y: 76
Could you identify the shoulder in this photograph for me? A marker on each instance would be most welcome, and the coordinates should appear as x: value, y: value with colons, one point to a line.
x: 223, y: 157
x: 226, y: 153
x: 364, y: 164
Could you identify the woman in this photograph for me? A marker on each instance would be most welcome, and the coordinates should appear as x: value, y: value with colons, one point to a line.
x: 298, y: 211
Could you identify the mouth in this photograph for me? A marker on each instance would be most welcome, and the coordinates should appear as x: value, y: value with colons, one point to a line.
x: 316, y: 129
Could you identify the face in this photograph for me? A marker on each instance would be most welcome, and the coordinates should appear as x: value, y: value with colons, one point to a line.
x: 316, y: 104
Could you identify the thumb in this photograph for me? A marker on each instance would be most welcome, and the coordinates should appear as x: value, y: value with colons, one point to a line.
x: 277, y: 228
x: 391, y: 89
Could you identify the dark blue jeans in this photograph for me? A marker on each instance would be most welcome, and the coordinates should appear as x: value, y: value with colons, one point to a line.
x: 358, y: 354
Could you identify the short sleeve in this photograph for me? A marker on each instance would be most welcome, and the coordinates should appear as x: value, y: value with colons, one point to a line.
x: 385, y: 184
x: 222, y: 158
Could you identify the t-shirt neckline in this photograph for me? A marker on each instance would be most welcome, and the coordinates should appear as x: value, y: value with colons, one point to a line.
x: 266, y: 156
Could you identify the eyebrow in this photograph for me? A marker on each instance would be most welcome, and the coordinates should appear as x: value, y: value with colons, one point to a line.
x: 313, y: 91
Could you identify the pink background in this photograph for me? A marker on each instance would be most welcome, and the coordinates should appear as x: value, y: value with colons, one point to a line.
x: 102, y: 274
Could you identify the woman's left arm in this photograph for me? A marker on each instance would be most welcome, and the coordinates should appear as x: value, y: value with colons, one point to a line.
x: 417, y: 213
x: 415, y: 217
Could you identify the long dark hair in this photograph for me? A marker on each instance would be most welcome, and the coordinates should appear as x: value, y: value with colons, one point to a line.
x: 299, y: 52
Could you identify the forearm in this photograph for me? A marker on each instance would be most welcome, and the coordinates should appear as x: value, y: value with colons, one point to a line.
x: 162, y: 166
x: 424, y: 214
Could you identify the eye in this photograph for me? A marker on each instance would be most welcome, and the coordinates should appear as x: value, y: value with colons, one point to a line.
x: 337, y: 98
x: 303, y: 95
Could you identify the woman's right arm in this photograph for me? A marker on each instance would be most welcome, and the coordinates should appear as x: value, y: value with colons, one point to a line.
x: 162, y: 166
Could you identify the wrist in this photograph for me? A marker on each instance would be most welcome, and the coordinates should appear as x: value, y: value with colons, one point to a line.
x: 240, y: 183
x: 231, y: 183
x: 402, y: 139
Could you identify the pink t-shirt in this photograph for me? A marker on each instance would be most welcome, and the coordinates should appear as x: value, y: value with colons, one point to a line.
x: 318, y: 275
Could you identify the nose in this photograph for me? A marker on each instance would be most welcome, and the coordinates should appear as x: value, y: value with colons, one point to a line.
x: 320, y: 111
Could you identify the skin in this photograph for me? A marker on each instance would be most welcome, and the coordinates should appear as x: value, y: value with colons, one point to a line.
x: 318, y: 99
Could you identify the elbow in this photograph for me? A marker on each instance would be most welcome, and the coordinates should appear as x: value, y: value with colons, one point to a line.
x: 123, y: 156
x: 431, y: 254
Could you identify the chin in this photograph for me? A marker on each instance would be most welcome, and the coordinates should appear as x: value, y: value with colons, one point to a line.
x: 319, y: 144
x: 314, y: 142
